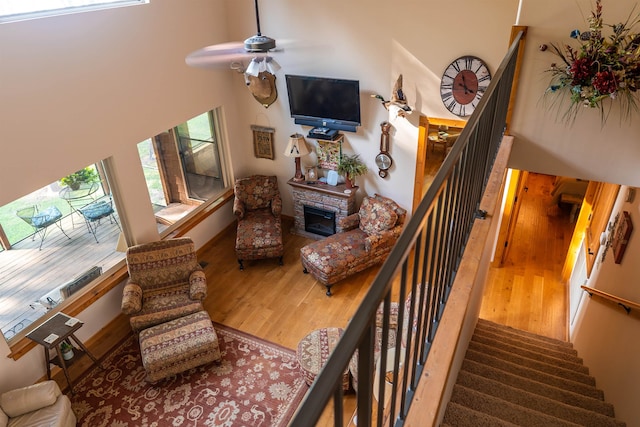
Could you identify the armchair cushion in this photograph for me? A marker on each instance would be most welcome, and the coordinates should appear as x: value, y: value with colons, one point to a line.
x: 376, y: 216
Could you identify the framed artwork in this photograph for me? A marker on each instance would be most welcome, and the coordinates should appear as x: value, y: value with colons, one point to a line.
x: 621, y: 237
x: 329, y: 153
x: 263, y: 142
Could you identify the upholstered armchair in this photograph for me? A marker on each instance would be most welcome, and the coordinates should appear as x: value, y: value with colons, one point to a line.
x: 41, y: 404
x: 367, y: 239
x: 165, y: 283
x: 258, y: 206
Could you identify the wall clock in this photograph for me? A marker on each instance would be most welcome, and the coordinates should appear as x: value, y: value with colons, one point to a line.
x: 383, y: 159
x: 463, y: 83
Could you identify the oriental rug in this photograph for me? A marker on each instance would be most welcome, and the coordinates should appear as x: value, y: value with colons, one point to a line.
x: 258, y: 383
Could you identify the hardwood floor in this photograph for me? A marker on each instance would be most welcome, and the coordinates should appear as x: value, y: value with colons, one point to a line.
x: 526, y: 292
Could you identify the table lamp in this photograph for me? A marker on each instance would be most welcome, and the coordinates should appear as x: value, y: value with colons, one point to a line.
x: 297, y: 148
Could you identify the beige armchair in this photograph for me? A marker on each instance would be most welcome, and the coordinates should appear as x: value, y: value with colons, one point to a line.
x: 368, y: 237
x: 165, y: 283
x: 38, y: 405
x: 258, y: 206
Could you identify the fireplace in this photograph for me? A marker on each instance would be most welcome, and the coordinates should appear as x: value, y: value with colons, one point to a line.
x: 319, y: 221
x: 333, y: 199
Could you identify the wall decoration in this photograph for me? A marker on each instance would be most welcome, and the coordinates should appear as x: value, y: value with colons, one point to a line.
x: 263, y: 142
x: 621, y: 236
x: 329, y: 153
x: 600, y: 67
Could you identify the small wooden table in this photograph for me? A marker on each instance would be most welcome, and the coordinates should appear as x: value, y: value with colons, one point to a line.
x: 51, y: 334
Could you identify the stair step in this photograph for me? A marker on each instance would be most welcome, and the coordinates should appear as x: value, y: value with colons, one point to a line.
x: 542, y: 377
x: 504, y: 410
x: 559, y: 352
x: 486, y: 324
x: 461, y: 416
x: 561, y: 395
x: 579, y: 374
x: 567, y: 362
x: 535, y: 402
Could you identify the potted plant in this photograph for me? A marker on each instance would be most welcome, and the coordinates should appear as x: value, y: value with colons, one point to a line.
x: 74, y: 180
x: 67, y: 350
x: 351, y: 167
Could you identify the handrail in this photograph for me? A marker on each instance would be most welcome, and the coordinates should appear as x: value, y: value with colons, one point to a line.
x: 624, y: 303
x: 422, y: 267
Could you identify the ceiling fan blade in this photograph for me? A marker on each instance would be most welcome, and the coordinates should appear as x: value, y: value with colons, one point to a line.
x: 215, y: 55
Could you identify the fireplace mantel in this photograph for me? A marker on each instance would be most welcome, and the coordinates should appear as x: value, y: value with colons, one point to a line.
x: 322, y: 196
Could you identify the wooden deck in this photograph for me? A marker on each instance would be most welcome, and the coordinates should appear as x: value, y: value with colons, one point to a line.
x: 27, y: 274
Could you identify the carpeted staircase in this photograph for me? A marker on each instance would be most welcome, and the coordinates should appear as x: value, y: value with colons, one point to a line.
x: 511, y: 377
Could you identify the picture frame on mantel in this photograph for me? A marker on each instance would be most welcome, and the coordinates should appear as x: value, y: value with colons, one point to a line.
x: 621, y: 236
x: 263, y: 142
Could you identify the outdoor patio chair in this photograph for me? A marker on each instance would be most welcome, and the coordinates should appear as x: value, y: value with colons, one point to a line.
x: 40, y: 221
x: 95, y: 211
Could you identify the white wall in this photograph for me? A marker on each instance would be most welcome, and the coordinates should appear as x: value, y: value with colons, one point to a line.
x: 544, y: 143
x: 605, y: 336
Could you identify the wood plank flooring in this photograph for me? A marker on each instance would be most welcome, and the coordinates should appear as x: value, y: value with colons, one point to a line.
x: 527, y: 293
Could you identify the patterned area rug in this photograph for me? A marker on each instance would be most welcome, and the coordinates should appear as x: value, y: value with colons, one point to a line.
x: 257, y: 384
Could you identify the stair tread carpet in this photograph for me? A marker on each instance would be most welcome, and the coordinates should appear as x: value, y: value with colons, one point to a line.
x: 546, y: 405
x: 540, y: 365
x: 461, y: 416
x: 510, y: 377
x: 558, y: 393
x: 486, y: 324
x: 551, y: 350
x: 543, y: 377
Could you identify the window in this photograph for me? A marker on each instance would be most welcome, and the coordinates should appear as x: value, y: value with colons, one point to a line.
x: 58, y: 240
x: 184, y: 167
x: 16, y: 10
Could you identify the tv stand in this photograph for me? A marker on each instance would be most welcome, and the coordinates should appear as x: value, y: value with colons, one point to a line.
x: 323, y: 133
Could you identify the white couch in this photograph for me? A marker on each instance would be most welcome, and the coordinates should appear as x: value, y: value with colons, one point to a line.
x: 38, y: 405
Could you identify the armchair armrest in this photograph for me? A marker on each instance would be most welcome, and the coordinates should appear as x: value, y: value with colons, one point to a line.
x: 349, y: 222
x: 276, y: 205
x: 238, y: 208
x: 386, y: 238
x: 197, y: 285
x: 27, y: 399
x: 131, y: 298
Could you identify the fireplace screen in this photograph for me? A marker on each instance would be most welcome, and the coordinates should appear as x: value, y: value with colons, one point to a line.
x: 319, y: 221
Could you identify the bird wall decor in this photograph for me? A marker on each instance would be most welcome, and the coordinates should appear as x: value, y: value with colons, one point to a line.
x: 398, y: 100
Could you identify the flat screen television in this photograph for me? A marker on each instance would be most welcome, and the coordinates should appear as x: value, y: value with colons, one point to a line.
x: 324, y: 102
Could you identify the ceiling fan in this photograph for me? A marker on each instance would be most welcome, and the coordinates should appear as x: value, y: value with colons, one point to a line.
x: 257, y: 47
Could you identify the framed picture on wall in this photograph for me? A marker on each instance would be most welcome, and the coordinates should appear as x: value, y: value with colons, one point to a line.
x: 263, y: 142
x: 621, y: 237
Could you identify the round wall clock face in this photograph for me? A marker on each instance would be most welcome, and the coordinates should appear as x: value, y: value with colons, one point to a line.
x: 463, y: 83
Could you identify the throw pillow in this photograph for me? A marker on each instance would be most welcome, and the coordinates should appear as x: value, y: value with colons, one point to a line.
x: 376, y: 216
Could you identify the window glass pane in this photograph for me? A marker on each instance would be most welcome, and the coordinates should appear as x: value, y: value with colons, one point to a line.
x: 61, y: 237
x: 149, y: 162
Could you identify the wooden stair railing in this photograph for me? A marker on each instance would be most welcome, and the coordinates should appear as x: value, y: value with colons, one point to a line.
x: 624, y: 303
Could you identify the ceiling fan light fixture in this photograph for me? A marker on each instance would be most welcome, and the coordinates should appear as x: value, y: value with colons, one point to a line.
x: 271, y: 65
x: 253, y: 69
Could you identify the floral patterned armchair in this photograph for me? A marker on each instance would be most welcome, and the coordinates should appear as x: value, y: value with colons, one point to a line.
x: 165, y: 283
x: 367, y: 240
x: 258, y: 206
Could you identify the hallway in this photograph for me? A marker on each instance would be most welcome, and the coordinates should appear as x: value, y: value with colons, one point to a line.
x: 526, y: 292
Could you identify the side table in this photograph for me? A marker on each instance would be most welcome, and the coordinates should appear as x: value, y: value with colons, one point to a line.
x: 51, y: 334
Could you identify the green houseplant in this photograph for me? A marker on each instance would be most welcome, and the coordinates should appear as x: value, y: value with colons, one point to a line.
x: 351, y: 167
x: 67, y: 350
x: 74, y: 180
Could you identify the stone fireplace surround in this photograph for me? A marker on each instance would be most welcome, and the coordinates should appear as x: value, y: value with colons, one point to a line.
x: 322, y: 196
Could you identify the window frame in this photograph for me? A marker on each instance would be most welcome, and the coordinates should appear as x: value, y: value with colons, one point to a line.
x: 58, y: 11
